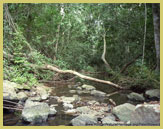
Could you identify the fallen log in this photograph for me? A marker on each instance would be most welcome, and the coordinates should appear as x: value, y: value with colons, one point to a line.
x: 52, y: 68
x: 83, y: 76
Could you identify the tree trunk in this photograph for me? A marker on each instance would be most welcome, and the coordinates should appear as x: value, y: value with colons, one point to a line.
x: 156, y: 22
x: 104, y: 52
x: 145, y: 26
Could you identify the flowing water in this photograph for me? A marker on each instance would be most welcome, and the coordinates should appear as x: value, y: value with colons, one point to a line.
x: 13, y: 119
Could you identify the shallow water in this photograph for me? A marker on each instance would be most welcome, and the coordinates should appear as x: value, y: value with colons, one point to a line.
x: 10, y: 119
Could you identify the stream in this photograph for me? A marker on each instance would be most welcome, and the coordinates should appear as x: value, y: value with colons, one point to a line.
x: 12, y: 118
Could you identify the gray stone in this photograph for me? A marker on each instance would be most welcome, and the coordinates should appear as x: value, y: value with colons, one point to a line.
x: 52, y: 111
x: 9, y: 92
x: 43, y: 91
x: 72, y: 91
x: 67, y: 106
x: 35, y: 112
x: 70, y: 112
x: 16, y: 86
x: 146, y: 114
x: 93, y: 102
x: 111, y: 116
x: 100, y: 111
x: 36, y: 98
x: 86, y: 91
x: 77, y: 98
x: 67, y: 99
x: 154, y: 93
x: 123, y: 112
x: 106, y: 121
x: 79, y: 91
x: 88, y: 87
x: 136, y: 96
x: 70, y: 86
x: 98, y: 93
x: 78, y: 88
x: 84, y: 120
x: 22, y: 96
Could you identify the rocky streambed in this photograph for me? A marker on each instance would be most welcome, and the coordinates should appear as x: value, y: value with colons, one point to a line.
x: 78, y: 105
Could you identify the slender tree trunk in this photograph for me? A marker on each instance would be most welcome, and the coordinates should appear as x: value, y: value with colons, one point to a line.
x: 59, y: 27
x: 145, y: 26
x: 104, y: 52
x: 156, y: 22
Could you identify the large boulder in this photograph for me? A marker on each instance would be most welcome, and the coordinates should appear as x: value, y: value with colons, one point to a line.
x: 9, y: 91
x: 84, y: 120
x: 146, y: 114
x: 135, y: 96
x: 123, y: 112
x: 35, y: 112
x: 88, y: 87
x: 154, y: 93
x: 98, y: 93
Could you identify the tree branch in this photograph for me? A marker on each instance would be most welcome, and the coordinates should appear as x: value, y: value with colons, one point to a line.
x: 128, y: 64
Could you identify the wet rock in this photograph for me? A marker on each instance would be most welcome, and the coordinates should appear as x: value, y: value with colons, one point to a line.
x: 79, y: 91
x: 35, y: 112
x: 106, y: 121
x: 77, y: 98
x: 86, y: 91
x: 92, y: 110
x: 16, y: 86
x: 52, y: 111
x: 67, y: 99
x: 9, y: 92
x: 84, y: 120
x: 78, y: 88
x: 70, y: 86
x: 123, y: 112
x: 67, y: 106
x: 135, y: 96
x: 93, y: 102
x: 43, y: 92
x: 111, y: 116
x: 23, y: 87
x: 154, y: 93
x: 72, y: 91
x: 36, y: 98
x: 70, y: 112
x: 146, y: 114
x: 98, y: 93
x: 88, y: 87
x: 22, y: 96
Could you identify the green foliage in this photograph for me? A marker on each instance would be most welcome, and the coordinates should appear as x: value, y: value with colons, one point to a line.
x: 78, y: 30
x: 143, y: 76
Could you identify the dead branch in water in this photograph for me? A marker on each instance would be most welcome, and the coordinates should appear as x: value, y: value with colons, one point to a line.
x: 12, y: 108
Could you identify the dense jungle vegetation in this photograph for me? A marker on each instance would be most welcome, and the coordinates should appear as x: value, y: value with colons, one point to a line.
x: 118, y: 42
